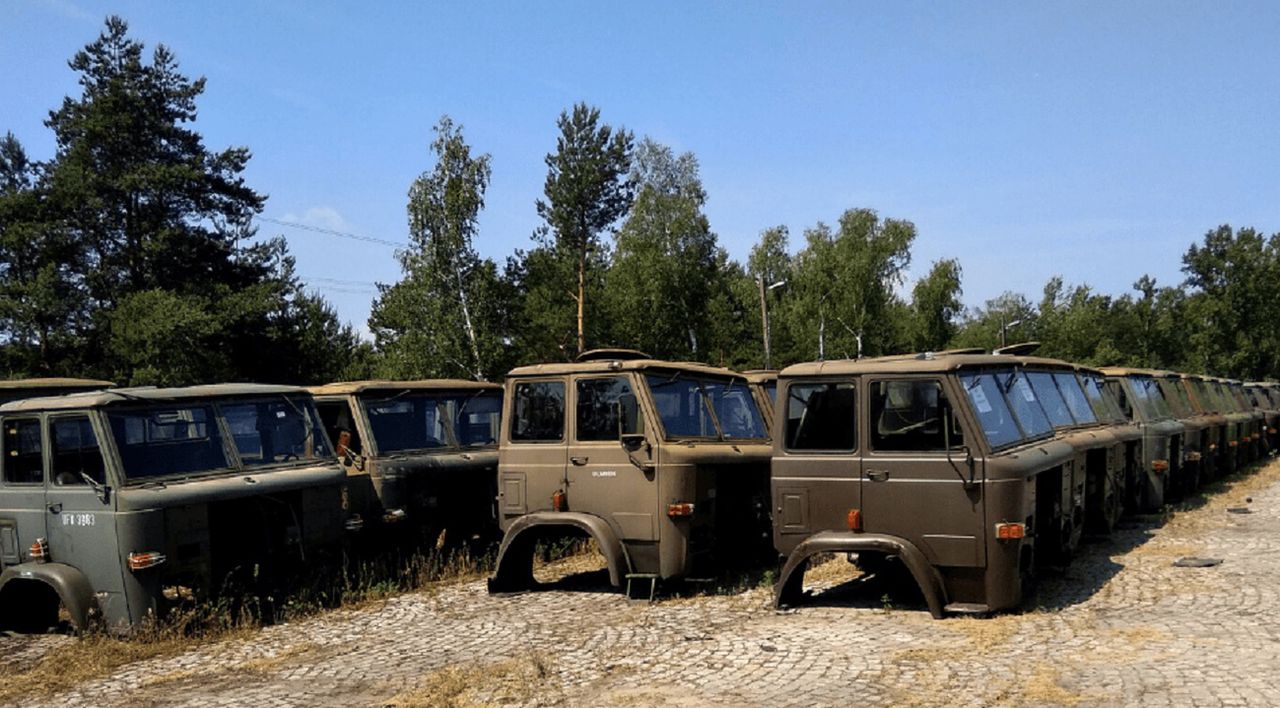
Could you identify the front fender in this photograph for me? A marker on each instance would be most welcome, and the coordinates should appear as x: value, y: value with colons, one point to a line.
x: 514, y: 569
x: 72, y: 586
x: 791, y: 582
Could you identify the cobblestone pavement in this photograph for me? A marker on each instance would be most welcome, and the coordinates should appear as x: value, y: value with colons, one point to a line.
x: 1121, y: 625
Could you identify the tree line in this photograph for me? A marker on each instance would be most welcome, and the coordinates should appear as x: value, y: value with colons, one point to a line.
x: 132, y: 254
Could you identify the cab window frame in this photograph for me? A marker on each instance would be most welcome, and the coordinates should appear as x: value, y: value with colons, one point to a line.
x: 44, y: 453
x: 783, y: 411
x: 510, y: 430
x: 577, y: 381
x: 51, y: 442
x: 869, y: 445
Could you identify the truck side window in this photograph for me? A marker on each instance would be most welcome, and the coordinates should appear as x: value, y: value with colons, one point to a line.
x: 75, y: 452
x: 539, y: 412
x: 597, y: 409
x: 821, y: 416
x: 909, y: 416
x: 23, y: 453
x: 337, y: 419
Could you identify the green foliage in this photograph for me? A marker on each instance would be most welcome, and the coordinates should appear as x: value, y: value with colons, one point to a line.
x: 587, y: 190
x: 841, y: 300
x: 444, y: 318
x: 129, y: 254
x: 667, y: 265
x: 936, y: 306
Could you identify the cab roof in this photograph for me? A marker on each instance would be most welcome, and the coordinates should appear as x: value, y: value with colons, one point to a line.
x: 146, y: 394
x: 928, y: 362
x: 760, y: 376
x: 614, y: 365
x: 342, y: 388
x: 54, y: 383
x: 1132, y: 371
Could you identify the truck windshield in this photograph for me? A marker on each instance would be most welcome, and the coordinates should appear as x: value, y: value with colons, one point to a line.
x: 1073, y: 394
x: 1176, y: 397
x: 1055, y: 406
x: 276, y: 430
x: 1146, y: 392
x: 1026, y: 408
x: 988, y: 402
x: 1100, y: 401
x: 705, y: 407
x: 426, y: 420
x: 165, y: 441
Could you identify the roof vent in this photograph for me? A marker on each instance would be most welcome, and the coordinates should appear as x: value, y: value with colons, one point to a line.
x: 612, y: 355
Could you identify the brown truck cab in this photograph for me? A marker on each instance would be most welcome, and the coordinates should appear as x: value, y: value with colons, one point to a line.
x: 1198, y: 433
x: 947, y: 461
x: 418, y: 454
x: 665, y: 465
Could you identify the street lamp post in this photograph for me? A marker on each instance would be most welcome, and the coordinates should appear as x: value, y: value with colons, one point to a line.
x: 764, y: 316
x: 1004, y: 328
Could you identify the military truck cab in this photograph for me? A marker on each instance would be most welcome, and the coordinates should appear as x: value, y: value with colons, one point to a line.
x: 1265, y: 397
x: 1213, y: 447
x: 664, y: 465
x: 419, y: 455
x: 1252, y: 442
x: 1138, y: 393
x: 948, y: 462
x: 1198, y: 433
x: 118, y: 504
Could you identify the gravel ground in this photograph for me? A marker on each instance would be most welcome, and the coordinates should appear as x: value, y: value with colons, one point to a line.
x: 1121, y: 626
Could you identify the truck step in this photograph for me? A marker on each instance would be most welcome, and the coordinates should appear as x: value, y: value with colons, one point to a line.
x: 642, y: 587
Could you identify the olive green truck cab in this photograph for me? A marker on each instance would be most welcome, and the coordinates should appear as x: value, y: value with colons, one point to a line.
x: 1140, y: 397
x: 948, y: 462
x: 418, y: 454
x: 117, y: 504
x: 664, y: 465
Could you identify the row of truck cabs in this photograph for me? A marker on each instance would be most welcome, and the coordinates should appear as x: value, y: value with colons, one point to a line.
x: 969, y: 469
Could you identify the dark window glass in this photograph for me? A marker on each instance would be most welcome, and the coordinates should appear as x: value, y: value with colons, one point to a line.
x: 407, y: 421
x: 539, y: 412
x: 993, y: 413
x: 685, y: 406
x: 1022, y: 399
x: 771, y: 388
x: 1055, y: 407
x: 339, y: 423
x: 75, y: 452
x: 478, y: 418
x: 821, y: 416
x: 910, y: 416
x: 275, y: 430
x: 23, y: 454
x: 165, y: 441
x: 597, y: 417
x: 1074, y: 396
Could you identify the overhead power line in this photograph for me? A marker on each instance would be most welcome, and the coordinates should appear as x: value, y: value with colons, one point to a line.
x: 332, y: 232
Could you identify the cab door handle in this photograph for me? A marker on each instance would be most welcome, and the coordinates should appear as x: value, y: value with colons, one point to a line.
x: 579, y: 461
x: 878, y: 475
x: 55, y: 508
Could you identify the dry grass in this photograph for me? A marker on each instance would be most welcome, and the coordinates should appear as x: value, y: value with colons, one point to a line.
x: 505, y: 682
x: 89, y: 657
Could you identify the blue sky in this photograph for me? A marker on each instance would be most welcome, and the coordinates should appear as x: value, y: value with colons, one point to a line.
x: 1091, y: 140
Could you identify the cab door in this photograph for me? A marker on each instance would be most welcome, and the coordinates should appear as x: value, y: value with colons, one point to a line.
x: 80, y: 501
x: 601, y: 476
x: 534, y: 450
x: 22, y: 504
x: 816, y: 475
x: 915, y: 472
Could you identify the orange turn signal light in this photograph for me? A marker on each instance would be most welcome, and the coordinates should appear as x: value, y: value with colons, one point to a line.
x: 1160, y: 465
x: 1271, y: 430
x: 142, y: 561
x: 559, y: 501
x: 1233, y: 443
x: 1011, y: 531
x: 40, y: 549
x: 680, y: 509
x: 854, y: 519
